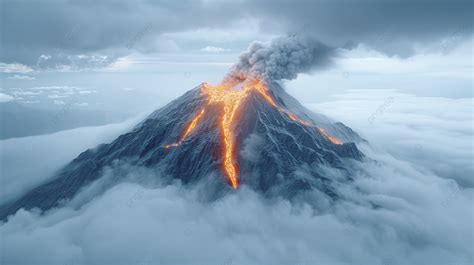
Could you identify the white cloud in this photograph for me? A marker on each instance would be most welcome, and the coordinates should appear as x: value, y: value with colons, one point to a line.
x: 29, y: 151
x: 52, y: 92
x: 411, y: 227
x: 30, y: 101
x: 87, y: 91
x: 213, y: 49
x: 55, y: 88
x: 5, y: 97
x: 54, y: 96
x: 59, y: 102
x: 21, y: 77
x: 251, y: 148
x: 25, y: 93
x: 432, y: 132
x: 81, y: 104
x: 14, y: 68
x: 68, y: 63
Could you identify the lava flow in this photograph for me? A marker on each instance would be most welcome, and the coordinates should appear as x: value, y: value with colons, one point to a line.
x: 231, y: 94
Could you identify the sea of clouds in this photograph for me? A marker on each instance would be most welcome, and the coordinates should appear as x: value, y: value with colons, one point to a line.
x: 420, y: 182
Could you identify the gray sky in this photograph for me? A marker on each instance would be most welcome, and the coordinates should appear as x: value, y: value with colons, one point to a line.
x: 159, y: 49
x: 81, y: 33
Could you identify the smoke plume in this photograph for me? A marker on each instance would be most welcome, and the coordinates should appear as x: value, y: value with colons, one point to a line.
x: 283, y: 58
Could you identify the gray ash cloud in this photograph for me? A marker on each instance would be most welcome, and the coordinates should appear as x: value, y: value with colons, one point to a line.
x: 283, y: 58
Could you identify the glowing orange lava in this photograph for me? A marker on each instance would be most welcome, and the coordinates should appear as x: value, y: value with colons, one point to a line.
x: 231, y: 94
x: 232, y: 97
x: 330, y: 138
x: 188, y: 130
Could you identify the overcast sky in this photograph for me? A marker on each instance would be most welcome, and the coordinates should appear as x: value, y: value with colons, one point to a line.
x: 422, y: 46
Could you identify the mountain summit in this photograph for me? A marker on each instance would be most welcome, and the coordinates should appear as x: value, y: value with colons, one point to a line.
x: 242, y: 132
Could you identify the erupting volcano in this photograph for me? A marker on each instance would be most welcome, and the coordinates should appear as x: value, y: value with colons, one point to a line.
x: 230, y: 94
x: 245, y: 131
x: 248, y: 131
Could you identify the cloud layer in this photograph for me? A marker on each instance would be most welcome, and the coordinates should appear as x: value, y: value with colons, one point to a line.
x: 432, y: 132
x: 422, y: 216
x: 24, y: 164
x: 393, y: 27
x: 84, y: 34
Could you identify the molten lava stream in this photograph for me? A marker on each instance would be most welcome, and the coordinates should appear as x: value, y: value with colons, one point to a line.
x: 231, y: 99
x: 229, y: 144
x: 188, y: 130
x: 192, y: 125
x: 330, y: 138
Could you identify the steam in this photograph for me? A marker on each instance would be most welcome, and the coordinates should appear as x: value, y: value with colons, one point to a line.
x: 283, y: 58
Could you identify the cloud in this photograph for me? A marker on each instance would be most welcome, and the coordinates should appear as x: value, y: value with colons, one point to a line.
x: 62, y: 62
x: 55, y: 88
x: 54, y: 96
x: 21, y: 77
x: 108, y: 29
x: 5, y: 97
x: 59, y: 34
x: 432, y: 132
x: 398, y: 210
x: 392, y: 27
x: 213, y: 49
x: 52, y: 92
x: 29, y: 151
x: 411, y: 227
x: 14, y: 68
x: 251, y: 148
x: 87, y: 91
x: 26, y: 93
x: 30, y: 101
x: 82, y: 104
x: 362, y: 60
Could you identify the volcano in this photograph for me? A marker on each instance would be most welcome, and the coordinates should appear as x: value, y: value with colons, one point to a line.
x: 241, y: 132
